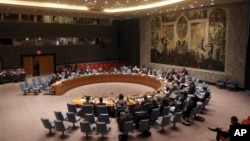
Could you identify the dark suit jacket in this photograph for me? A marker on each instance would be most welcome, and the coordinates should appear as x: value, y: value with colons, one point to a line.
x: 123, y: 120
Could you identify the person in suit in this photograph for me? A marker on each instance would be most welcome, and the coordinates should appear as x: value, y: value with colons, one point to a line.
x: 165, y: 102
x: 88, y: 101
x: 154, y: 106
x: 124, y: 118
x: 137, y: 118
x: 206, y: 95
x: 145, y: 101
x: 221, y: 133
x: 101, y: 101
x: 190, y: 106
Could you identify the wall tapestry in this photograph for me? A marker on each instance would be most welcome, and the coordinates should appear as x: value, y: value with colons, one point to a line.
x: 193, y: 39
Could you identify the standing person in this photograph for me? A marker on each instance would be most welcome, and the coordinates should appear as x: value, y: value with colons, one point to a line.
x: 37, y: 68
x: 220, y: 133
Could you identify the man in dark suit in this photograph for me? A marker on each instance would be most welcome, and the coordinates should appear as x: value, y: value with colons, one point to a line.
x: 101, y: 101
x: 206, y: 95
x: 123, y: 119
x: 190, y: 106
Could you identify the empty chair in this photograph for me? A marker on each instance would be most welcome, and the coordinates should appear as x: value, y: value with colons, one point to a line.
x: 90, y: 118
x: 36, y: 83
x: 87, y: 109
x: 165, y: 110
x: 73, y: 108
x: 61, y: 126
x: 86, y: 127
x: 48, y: 79
x: 48, y: 124
x: 23, y: 88
x: 176, y: 118
x: 35, y: 89
x: 27, y: 85
x: 101, y: 127
x: 231, y: 84
x: 60, y: 116
x: 40, y: 81
x: 154, y: 114
x: 221, y: 82
x: 73, y: 118
x: 104, y: 118
x: 101, y: 109
x: 144, y: 125
x: 163, y: 121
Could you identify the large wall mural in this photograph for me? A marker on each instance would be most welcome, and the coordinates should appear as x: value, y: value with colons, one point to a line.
x: 191, y: 39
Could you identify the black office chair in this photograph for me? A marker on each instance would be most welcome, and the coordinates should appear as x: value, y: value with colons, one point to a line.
x: 48, y: 124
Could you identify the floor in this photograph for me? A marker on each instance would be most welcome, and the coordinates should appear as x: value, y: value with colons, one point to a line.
x: 20, y: 114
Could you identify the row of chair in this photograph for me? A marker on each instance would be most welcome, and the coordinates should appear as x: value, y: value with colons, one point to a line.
x: 85, y: 126
x: 223, y: 82
x: 36, y: 86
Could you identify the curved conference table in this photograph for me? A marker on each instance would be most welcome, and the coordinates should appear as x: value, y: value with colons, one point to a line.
x: 64, y: 85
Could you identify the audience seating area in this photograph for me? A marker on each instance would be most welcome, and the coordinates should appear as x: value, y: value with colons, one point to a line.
x: 12, y: 75
x: 105, y: 65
